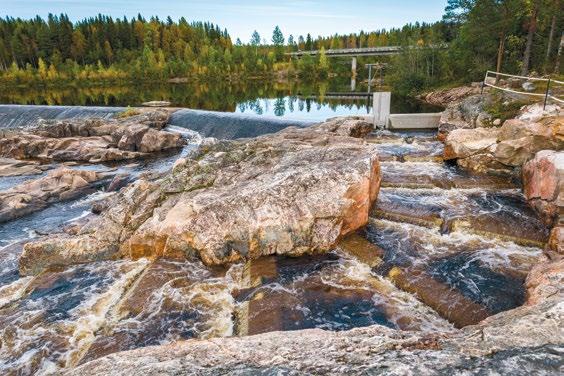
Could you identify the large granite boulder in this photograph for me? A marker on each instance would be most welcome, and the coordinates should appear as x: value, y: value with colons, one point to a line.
x: 463, y: 143
x: 543, y: 186
x: 466, y: 114
x: 518, y: 141
x: 294, y: 192
x: 505, y: 148
x: 92, y: 140
x: 474, y: 149
x: 536, y: 111
x: 58, y: 185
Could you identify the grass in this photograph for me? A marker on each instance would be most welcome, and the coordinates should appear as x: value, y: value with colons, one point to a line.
x: 127, y: 113
x: 504, y: 109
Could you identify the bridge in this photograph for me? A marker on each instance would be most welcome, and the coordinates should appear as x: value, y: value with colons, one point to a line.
x: 352, y: 52
x: 356, y: 52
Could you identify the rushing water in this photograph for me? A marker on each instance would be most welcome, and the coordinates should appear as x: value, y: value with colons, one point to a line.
x: 442, y: 249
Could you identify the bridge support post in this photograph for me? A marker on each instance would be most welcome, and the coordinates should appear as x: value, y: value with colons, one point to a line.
x: 353, y: 66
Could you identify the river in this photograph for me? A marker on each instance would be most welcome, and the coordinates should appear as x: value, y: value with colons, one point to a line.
x: 452, y: 248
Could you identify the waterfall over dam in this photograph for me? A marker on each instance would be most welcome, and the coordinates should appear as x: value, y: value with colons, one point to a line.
x: 226, y: 125
x: 13, y: 116
x: 222, y: 125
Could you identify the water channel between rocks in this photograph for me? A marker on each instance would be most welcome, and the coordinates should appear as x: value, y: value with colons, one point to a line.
x: 443, y: 249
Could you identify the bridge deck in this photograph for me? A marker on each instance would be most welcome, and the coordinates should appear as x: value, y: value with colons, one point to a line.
x: 369, y: 51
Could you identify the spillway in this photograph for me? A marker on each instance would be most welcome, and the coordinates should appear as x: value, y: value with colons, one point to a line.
x: 13, y: 116
x: 225, y: 125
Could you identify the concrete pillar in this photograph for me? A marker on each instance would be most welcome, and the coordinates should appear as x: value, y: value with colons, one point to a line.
x: 353, y: 83
x: 369, y: 77
x: 353, y: 66
x: 381, y: 108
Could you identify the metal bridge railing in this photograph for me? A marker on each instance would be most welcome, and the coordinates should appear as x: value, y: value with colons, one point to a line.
x: 551, y: 91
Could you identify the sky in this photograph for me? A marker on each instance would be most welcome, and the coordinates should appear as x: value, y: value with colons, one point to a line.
x: 242, y: 17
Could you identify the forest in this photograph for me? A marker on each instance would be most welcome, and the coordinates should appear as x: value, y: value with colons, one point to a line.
x: 514, y: 36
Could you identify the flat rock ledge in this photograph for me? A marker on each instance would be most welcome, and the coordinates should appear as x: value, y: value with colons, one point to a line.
x: 59, y: 185
x: 92, y: 140
x: 294, y: 192
x: 524, y: 341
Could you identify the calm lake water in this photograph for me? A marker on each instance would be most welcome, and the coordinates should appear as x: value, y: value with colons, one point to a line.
x: 290, y: 100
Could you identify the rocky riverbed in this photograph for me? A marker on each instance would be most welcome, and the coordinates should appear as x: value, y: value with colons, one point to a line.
x: 331, y: 249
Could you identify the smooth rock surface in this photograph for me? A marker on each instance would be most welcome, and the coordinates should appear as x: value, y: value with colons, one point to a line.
x: 294, y: 192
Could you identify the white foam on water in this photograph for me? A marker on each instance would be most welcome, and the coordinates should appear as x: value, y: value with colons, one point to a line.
x: 13, y: 291
x: 91, y: 198
x: 92, y: 313
x: 398, y: 305
x: 191, y: 302
x: 40, y: 335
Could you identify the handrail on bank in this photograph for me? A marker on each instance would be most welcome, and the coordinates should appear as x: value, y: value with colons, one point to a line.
x: 547, y: 95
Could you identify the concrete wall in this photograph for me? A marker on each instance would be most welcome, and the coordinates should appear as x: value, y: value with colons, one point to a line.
x: 381, y: 108
x: 414, y: 121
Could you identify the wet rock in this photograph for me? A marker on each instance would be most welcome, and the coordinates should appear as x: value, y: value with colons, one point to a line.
x: 522, y: 341
x: 100, y: 206
x: 118, y: 182
x: 13, y: 167
x: 419, y: 175
x: 419, y: 207
x: 543, y: 183
x: 58, y: 185
x: 92, y: 140
x: 329, y: 291
x: 169, y: 301
x: 293, y: 192
x: 448, y: 302
x: 361, y: 249
x: 59, y: 314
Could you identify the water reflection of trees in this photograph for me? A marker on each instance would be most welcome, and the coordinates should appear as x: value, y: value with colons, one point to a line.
x: 253, y: 96
x: 279, y: 107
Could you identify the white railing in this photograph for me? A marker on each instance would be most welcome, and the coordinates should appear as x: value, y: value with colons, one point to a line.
x: 548, y: 94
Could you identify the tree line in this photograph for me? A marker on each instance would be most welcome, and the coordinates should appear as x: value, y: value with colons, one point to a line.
x: 515, y: 36
x: 521, y: 37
